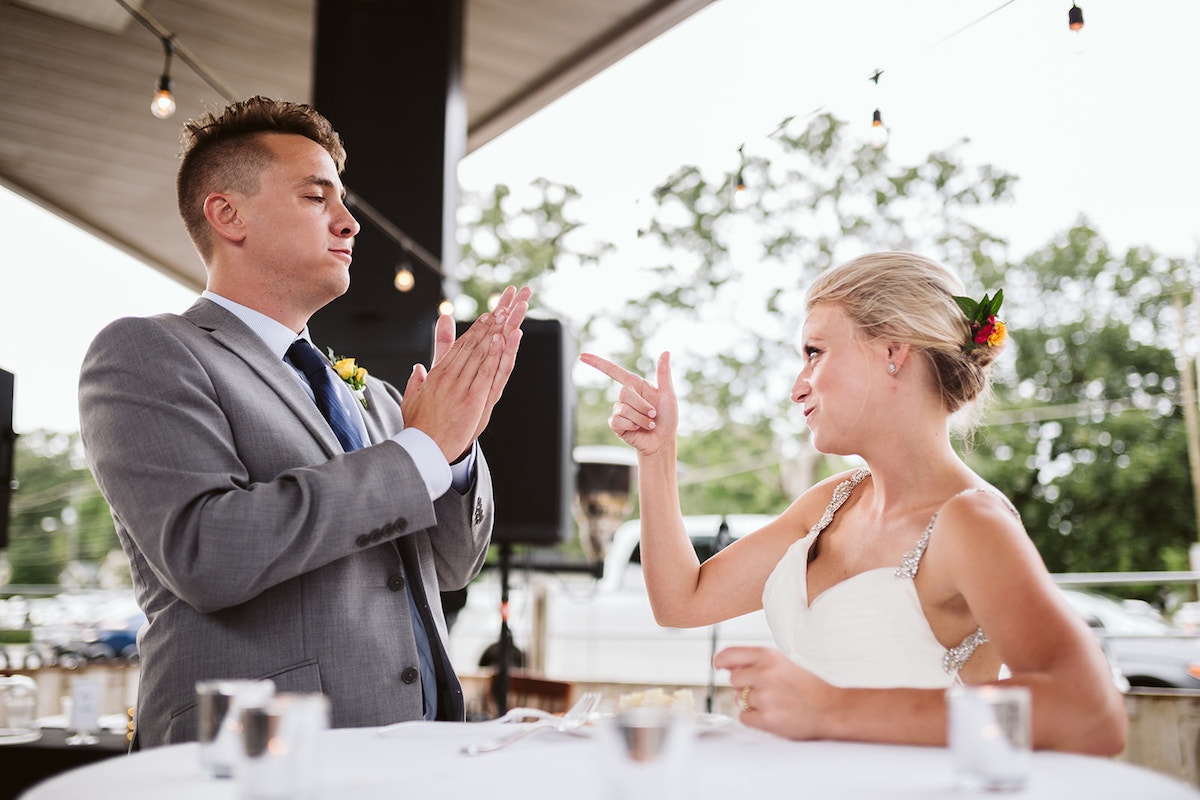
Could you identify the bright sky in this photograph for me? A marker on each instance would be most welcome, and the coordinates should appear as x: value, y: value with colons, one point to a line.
x: 1101, y: 122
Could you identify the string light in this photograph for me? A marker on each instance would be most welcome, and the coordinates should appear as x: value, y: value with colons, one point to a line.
x: 879, y: 134
x: 739, y: 186
x: 404, y: 279
x: 163, y: 103
x: 445, y: 308
x: 1075, y: 17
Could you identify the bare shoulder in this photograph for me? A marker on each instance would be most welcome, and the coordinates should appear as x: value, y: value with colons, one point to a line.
x: 794, y: 523
x: 981, y: 529
x: 809, y: 507
x: 982, y: 508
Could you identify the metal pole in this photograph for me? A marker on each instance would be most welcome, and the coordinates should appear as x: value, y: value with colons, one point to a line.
x: 1191, y: 425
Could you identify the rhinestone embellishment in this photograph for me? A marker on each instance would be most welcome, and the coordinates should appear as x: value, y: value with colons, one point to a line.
x: 843, y: 491
x: 955, y: 657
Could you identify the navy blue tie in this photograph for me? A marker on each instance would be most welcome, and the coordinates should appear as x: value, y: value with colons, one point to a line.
x: 309, y: 361
x: 306, y: 358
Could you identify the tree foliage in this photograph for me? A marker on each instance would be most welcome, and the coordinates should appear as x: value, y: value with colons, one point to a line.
x: 1085, y: 433
x: 1089, y: 438
x: 58, y: 514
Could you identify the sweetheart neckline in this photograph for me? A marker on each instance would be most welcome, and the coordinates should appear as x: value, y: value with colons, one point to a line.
x: 810, y: 604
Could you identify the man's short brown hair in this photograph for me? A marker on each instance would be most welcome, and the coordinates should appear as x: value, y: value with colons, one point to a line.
x: 226, y: 152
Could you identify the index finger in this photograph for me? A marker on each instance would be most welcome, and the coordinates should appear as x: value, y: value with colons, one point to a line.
x: 737, y: 657
x: 618, y: 374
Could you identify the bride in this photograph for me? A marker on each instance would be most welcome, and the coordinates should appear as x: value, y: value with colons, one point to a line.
x: 884, y: 585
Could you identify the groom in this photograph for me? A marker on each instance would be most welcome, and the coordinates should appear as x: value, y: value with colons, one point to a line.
x: 278, y: 526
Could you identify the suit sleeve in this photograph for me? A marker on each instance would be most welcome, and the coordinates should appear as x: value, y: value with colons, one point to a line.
x: 464, y: 522
x: 221, y: 490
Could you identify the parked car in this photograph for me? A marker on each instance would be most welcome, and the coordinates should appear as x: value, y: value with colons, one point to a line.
x: 1147, y: 651
x: 603, y: 629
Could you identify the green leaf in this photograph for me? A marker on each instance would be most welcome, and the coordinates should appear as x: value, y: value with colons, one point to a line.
x: 994, y: 308
x: 968, y: 306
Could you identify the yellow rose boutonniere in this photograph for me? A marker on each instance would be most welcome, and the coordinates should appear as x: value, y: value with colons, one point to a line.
x: 354, y: 375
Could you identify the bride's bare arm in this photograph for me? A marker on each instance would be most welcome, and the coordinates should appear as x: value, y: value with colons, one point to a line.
x: 1044, y: 643
x: 980, y: 551
x: 683, y: 593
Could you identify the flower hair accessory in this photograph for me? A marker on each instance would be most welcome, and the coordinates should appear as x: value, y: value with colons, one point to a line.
x: 986, y: 330
x: 354, y: 375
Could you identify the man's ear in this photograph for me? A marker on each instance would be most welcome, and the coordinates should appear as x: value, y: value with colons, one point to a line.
x: 221, y: 211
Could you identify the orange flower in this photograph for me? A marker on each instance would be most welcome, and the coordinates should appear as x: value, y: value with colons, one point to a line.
x: 998, y: 332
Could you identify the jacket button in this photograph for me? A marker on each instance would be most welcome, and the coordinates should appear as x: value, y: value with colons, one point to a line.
x: 410, y: 675
x: 400, y: 524
x: 363, y: 541
x: 395, y: 582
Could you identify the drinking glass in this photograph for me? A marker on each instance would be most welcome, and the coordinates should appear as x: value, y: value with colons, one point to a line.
x: 279, y: 746
x: 990, y: 737
x: 219, y: 704
x: 644, y: 754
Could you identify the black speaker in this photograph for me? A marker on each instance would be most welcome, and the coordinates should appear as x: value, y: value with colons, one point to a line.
x: 7, y: 441
x: 528, y: 442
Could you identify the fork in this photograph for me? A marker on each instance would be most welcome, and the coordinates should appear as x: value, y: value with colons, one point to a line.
x: 576, y: 717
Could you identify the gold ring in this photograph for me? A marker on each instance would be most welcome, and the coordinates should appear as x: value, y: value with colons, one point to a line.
x: 744, y: 699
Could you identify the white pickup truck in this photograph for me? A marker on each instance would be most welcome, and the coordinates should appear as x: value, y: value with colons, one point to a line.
x: 589, y: 629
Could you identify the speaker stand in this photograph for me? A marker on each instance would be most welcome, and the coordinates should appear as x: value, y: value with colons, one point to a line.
x: 500, y: 682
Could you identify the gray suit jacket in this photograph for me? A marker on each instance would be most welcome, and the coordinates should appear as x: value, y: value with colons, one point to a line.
x: 258, y: 548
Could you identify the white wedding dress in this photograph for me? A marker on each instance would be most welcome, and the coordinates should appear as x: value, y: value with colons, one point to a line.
x: 866, y: 631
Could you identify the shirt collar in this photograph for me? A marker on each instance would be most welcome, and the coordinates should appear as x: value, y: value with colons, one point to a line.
x: 277, y: 336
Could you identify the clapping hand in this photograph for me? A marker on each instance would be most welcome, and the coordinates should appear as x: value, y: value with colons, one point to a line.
x: 645, y: 416
x: 452, y: 402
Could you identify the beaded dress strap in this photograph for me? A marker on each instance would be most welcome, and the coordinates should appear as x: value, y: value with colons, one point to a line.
x: 840, y: 494
x: 911, y: 560
x: 956, y: 656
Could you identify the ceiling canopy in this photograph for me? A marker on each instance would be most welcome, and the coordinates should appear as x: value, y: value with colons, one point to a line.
x: 76, y: 77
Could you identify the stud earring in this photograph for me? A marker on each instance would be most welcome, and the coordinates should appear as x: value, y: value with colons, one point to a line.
x: 891, y: 369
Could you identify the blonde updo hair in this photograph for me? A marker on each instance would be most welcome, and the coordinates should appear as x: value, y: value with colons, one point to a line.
x: 908, y: 298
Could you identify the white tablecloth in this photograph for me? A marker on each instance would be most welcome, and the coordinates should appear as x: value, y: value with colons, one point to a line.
x: 423, y: 759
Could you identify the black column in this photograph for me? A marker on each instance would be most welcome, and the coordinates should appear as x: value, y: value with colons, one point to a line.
x: 8, y: 441
x: 388, y: 76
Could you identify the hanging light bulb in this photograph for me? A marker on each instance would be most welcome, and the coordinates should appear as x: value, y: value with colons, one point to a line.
x: 163, y: 103
x: 878, y: 135
x: 739, y: 199
x: 1075, y: 17
x: 404, y: 279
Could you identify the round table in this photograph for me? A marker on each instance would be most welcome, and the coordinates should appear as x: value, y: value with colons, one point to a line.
x: 425, y: 759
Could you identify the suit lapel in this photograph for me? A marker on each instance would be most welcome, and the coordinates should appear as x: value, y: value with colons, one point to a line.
x: 376, y: 430
x: 232, y: 334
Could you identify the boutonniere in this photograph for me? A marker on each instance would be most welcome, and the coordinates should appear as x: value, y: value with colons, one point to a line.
x: 354, y: 375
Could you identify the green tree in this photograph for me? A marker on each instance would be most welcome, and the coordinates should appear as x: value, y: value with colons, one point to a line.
x: 1085, y: 434
x: 1088, y: 435
x: 57, y: 514
x: 730, y: 272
